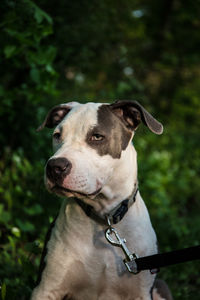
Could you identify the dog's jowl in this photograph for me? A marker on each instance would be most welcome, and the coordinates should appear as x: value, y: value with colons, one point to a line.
x: 94, y: 166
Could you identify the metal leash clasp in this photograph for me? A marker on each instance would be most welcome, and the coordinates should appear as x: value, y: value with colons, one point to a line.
x: 129, y: 261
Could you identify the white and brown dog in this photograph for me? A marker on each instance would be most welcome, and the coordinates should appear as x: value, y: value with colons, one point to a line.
x: 95, y: 167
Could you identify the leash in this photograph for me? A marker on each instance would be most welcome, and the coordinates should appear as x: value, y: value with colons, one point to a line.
x: 157, y: 261
x: 153, y: 263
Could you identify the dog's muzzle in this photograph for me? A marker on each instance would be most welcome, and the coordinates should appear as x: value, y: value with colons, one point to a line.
x: 57, y: 169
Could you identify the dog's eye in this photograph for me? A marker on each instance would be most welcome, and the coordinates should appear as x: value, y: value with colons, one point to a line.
x: 97, y: 137
x: 57, y: 135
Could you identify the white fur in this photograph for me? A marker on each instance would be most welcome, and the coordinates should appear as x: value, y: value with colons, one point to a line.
x: 80, y: 262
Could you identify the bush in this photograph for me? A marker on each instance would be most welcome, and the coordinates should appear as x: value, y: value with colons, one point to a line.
x: 98, y: 51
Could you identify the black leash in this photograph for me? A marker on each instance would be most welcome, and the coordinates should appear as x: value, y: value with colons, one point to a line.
x: 154, y: 262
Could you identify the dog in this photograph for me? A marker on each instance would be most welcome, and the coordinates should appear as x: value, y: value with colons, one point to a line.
x: 95, y: 168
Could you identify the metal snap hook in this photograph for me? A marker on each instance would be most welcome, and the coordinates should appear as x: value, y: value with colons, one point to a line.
x: 129, y: 261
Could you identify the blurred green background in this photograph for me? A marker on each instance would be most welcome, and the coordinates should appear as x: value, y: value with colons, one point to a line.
x: 58, y: 51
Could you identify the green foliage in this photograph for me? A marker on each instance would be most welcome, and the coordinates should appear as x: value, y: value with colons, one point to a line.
x: 27, y: 74
x: 22, y: 212
x: 98, y: 51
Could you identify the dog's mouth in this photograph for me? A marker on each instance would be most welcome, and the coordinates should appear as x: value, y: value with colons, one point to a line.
x: 67, y: 192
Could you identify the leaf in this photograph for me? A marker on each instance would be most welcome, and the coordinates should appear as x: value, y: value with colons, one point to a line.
x: 16, y: 232
x: 35, y: 75
x: 9, y: 51
x: 3, y: 291
x: 50, y: 54
x: 39, y: 14
x: 33, y: 210
x: 25, y: 226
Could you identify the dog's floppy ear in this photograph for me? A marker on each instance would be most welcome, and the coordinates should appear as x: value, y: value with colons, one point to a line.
x: 132, y: 113
x: 55, y: 116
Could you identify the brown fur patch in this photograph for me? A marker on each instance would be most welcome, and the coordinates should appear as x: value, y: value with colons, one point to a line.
x: 116, y: 135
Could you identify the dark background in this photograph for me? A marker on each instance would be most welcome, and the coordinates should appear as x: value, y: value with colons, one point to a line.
x: 58, y: 51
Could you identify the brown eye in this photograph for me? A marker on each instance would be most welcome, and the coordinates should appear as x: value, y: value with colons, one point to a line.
x: 57, y: 135
x: 97, y: 137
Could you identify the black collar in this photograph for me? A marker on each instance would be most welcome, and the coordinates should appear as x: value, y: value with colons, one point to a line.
x: 115, y: 215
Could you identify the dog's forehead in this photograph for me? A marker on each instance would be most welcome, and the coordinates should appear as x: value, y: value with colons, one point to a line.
x: 81, y: 117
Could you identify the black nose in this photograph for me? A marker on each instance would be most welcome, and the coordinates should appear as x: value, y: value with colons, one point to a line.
x: 57, y: 169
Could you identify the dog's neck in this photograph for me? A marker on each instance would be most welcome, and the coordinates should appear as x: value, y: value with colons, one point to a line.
x: 113, y: 216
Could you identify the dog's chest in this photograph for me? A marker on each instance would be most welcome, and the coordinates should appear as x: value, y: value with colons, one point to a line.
x: 95, y: 269
x: 102, y: 275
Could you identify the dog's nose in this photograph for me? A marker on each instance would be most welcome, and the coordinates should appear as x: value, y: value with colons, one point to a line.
x: 58, y: 168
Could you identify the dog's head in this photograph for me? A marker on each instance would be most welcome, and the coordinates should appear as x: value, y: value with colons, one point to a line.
x: 90, y: 143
